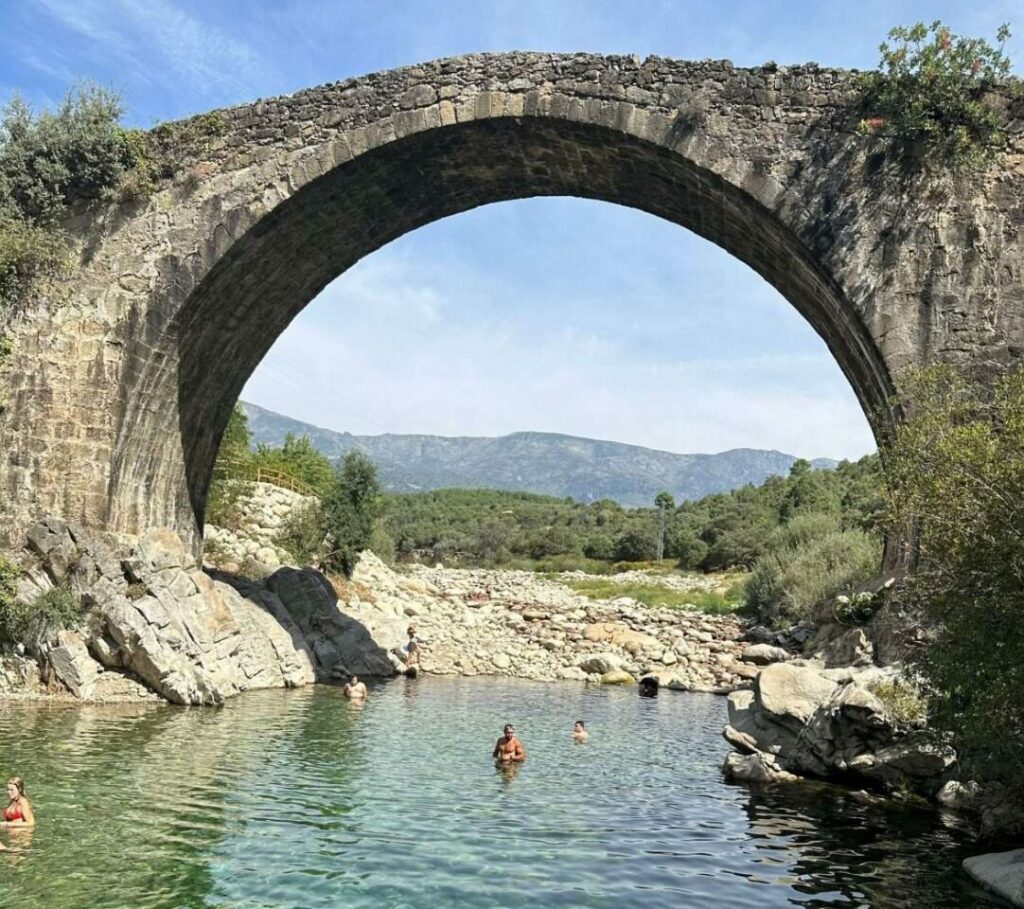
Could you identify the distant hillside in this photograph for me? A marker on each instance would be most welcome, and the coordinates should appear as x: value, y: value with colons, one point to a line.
x: 541, y: 462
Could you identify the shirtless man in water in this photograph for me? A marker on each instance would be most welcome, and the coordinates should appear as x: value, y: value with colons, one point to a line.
x: 508, y: 748
x: 355, y: 689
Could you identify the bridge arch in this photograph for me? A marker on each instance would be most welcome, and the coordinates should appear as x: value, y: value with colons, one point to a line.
x: 186, y: 294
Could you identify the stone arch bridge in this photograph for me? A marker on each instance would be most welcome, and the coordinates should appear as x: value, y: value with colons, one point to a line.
x: 121, y: 382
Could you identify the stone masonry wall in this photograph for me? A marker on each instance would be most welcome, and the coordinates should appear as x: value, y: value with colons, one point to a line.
x: 264, y: 513
x: 122, y: 380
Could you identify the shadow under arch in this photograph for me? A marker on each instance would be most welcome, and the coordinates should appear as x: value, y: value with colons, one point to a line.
x: 266, y: 277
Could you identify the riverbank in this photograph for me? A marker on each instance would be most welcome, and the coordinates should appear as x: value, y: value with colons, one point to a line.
x: 517, y: 624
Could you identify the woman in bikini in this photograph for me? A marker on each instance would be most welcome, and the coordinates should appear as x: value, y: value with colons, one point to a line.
x: 18, y: 812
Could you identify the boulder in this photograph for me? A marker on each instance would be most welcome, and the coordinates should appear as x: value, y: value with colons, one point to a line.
x: 763, y: 654
x: 793, y: 693
x: 756, y: 767
x: 1000, y: 872
x: 600, y: 663
x: 617, y: 677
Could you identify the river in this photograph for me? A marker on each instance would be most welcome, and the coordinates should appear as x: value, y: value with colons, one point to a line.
x: 301, y: 798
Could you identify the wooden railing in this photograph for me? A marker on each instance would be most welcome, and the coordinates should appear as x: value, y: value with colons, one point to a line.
x: 255, y: 473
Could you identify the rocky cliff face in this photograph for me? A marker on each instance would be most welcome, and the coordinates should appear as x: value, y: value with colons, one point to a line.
x: 154, y: 621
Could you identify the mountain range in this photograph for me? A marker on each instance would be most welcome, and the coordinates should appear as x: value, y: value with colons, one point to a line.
x: 540, y: 462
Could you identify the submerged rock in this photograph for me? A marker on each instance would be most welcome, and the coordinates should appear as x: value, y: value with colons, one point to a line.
x: 1000, y: 872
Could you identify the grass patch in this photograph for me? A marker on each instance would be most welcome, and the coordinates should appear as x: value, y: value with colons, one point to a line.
x: 714, y: 602
x: 904, y: 701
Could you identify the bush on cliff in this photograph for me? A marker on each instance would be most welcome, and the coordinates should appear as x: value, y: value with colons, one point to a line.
x: 49, y: 161
x: 957, y: 473
x: 9, y: 575
x: 933, y: 96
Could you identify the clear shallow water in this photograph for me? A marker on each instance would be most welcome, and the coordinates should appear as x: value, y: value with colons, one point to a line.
x: 300, y: 798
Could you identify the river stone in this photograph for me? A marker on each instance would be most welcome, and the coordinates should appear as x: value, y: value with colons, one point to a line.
x: 617, y: 677
x: 755, y: 768
x: 501, y: 661
x: 600, y: 663
x: 602, y: 632
x: 763, y: 654
x: 791, y: 692
x: 1000, y: 872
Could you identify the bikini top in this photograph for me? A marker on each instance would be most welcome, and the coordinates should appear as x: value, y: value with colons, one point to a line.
x: 13, y: 813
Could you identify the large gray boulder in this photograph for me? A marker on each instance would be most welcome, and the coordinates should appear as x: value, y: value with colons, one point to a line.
x: 826, y: 723
x: 1000, y: 872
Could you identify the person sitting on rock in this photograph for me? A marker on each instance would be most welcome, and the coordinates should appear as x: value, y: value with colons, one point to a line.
x: 508, y: 748
x: 18, y: 812
x: 579, y: 732
x: 355, y: 689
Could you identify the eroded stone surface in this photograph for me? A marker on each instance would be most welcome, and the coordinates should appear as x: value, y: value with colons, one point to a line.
x: 154, y: 620
x: 827, y: 723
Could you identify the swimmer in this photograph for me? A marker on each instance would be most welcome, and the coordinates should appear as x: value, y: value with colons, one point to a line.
x: 579, y: 732
x: 508, y: 748
x: 355, y: 689
x: 18, y: 812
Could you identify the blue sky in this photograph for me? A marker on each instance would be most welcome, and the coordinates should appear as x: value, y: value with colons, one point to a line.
x: 558, y: 315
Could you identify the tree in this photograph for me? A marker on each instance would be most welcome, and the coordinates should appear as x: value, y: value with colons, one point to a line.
x: 635, y: 546
x: 349, y: 509
x: 956, y: 468
x: 230, y: 483
x: 664, y: 502
x: 812, y: 492
x: 299, y: 459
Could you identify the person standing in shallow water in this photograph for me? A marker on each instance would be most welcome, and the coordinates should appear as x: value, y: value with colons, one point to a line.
x: 579, y: 732
x: 508, y: 749
x: 355, y: 689
x: 18, y: 812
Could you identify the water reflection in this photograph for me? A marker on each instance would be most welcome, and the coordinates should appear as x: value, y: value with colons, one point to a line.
x: 306, y: 798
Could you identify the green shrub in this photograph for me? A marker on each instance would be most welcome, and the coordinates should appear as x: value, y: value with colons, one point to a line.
x: 636, y: 546
x: 297, y: 458
x: 904, y: 701
x: 932, y: 96
x: 857, y: 609
x: 302, y: 534
x: 349, y: 511
x: 957, y: 470
x: 27, y: 623
x: 50, y: 160
x: 9, y: 577
x: 28, y: 254
x: 800, y: 569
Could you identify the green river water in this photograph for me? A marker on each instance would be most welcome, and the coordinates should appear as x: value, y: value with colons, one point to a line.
x: 303, y: 799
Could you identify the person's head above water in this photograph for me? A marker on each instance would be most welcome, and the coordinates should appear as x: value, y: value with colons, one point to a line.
x: 509, y: 730
x: 15, y: 788
x: 578, y: 726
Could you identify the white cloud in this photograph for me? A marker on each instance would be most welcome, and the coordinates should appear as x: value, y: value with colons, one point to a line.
x: 388, y: 349
x: 147, y: 36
